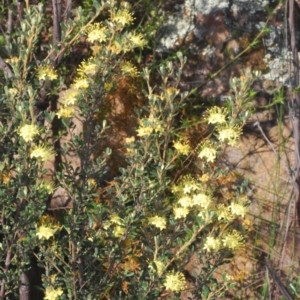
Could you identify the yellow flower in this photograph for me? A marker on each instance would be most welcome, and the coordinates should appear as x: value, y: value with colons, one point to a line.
x: 52, y: 293
x: 239, y: 207
x: 230, y: 134
x: 129, y: 69
x: 118, y: 231
x: 182, y: 148
x: 87, y: 68
x: 91, y: 182
x: 159, y: 222
x: 13, y: 91
x: 186, y: 201
x: 212, y: 243
x: 233, y: 240
x: 180, y: 212
x: 5, y: 177
x: 123, y: 17
x: 42, y: 153
x: 190, y: 187
x: 80, y: 83
x: 48, y: 186
x: 159, y: 267
x: 116, y: 47
x: 175, y: 282
x: 202, y: 200
x: 69, y: 97
x: 108, y: 86
x: 45, y: 232
x: 96, y: 33
x: 129, y: 140
x: 65, y: 112
x: 204, y: 178
x: 144, y: 131
x: 45, y: 72
x: 115, y: 219
x: 248, y: 224
x: 209, y: 153
x: 216, y: 115
x: 28, y: 132
x: 137, y: 40
x: 224, y: 212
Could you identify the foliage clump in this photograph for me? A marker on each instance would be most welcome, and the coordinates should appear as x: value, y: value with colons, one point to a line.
x: 152, y: 217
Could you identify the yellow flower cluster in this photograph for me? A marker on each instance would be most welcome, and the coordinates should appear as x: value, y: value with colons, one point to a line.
x: 96, y: 32
x: 208, y: 152
x: 182, y: 147
x: 128, y: 69
x: 45, y: 72
x: 42, y: 152
x: 159, y: 222
x: 28, y: 132
x: 122, y: 17
x: 148, y: 126
x: 232, y: 240
x: 175, y: 282
x: 190, y: 193
x: 52, y: 293
x: 159, y: 267
x: 46, y: 231
x: 227, y: 133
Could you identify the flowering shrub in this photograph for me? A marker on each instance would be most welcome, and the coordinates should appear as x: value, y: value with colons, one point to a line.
x: 154, y: 216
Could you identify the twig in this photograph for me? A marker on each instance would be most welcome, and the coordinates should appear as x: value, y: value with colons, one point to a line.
x: 278, y: 281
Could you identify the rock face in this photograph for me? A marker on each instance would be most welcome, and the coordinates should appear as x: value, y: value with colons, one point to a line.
x: 213, y: 33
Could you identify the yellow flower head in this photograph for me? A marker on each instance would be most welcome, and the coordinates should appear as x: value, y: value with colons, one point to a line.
x: 80, y: 83
x: 128, y: 69
x: 129, y: 140
x: 212, y: 243
x: 180, y: 212
x: 144, y: 131
x: 28, y: 132
x: 186, y: 201
x: 239, y: 207
x: 116, y: 47
x: 159, y: 222
x: 208, y: 152
x: 46, y: 232
x: 224, y: 212
x: 52, y: 293
x: 69, y: 97
x: 87, y: 68
x: 216, y: 115
x: 159, y: 267
x: 202, y: 200
x: 65, y: 112
x: 118, y: 231
x: 48, y: 186
x: 137, y: 40
x: 5, y: 178
x: 45, y: 72
x: 123, y: 17
x: 115, y: 219
x: 96, y: 33
x: 182, y: 148
x: 204, y: 178
x: 42, y: 152
x: 233, y: 240
x: 229, y: 134
x: 175, y: 282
